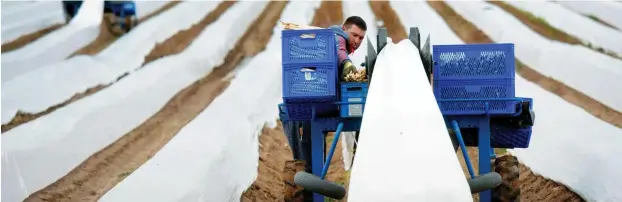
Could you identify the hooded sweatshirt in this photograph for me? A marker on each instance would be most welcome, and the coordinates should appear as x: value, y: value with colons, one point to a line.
x: 343, y: 47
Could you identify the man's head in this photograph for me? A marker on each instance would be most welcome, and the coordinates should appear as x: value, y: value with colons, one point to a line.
x: 355, y: 27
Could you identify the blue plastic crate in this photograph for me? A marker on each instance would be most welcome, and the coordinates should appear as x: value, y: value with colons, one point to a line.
x: 501, y: 137
x: 504, y: 137
x: 308, y: 46
x: 473, y: 61
x: 453, y: 96
x: 310, y: 82
x: 304, y: 111
x: 353, y: 92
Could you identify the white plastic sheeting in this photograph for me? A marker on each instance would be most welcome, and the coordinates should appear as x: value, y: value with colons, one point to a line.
x: 144, y: 8
x: 37, y: 153
x: 37, y: 90
x: 574, y: 24
x: 420, y: 14
x: 362, y: 10
x: 28, y: 17
x: 605, y: 10
x: 403, y: 132
x: 578, y: 67
x: 56, y: 46
x: 582, y: 146
x: 572, y: 147
x: 214, y: 157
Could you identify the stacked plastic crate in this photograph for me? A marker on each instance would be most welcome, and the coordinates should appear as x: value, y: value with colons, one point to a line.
x: 353, y: 98
x: 478, y: 79
x: 309, y: 72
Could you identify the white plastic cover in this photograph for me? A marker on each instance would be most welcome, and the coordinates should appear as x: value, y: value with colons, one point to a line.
x: 404, y: 151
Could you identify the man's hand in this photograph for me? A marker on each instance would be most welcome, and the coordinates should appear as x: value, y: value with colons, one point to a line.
x: 348, y: 68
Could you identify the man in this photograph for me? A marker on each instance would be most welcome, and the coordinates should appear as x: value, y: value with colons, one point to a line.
x: 349, y: 38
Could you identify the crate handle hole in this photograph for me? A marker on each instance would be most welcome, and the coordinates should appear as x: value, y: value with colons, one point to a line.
x: 307, y: 36
x: 308, y: 69
x: 358, y: 88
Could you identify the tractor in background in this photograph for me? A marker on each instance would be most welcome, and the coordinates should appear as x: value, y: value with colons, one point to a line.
x: 119, y: 16
x: 473, y: 85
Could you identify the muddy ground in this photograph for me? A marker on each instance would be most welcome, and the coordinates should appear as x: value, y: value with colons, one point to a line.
x: 104, y: 169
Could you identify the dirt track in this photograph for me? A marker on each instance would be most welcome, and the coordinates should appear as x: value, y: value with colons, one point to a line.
x: 29, y: 38
x: 104, y: 169
x: 171, y: 46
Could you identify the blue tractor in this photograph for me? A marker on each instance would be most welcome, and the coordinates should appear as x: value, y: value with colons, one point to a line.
x: 119, y: 16
x: 473, y: 85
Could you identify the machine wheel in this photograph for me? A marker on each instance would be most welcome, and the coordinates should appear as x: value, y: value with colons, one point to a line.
x: 291, y: 191
x: 509, y: 190
x: 314, y: 184
x: 484, y: 182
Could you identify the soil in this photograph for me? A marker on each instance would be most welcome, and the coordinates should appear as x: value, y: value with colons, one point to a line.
x: 273, y: 153
x: 104, y: 169
x: 533, y: 187
x: 106, y: 38
x: 386, y: 14
x: 543, y: 28
x: 171, y: 46
x: 29, y: 38
x: 184, y: 38
x: 274, y: 150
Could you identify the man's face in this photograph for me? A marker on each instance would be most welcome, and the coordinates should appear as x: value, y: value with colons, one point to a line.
x: 356, y: 35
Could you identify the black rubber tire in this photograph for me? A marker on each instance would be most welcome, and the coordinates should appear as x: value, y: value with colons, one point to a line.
x: 509, y: 190
x: 484, y: 182
x: 314, y: 184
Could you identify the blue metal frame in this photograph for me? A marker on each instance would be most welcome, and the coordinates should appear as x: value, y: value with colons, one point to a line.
x: 313, y: 149
x: 310, y: 146
x: 485, y: 151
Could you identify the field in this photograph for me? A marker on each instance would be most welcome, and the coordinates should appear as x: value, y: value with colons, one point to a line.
x: 184, y: 106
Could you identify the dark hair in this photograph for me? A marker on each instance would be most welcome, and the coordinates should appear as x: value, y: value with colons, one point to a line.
x: 356, y: 20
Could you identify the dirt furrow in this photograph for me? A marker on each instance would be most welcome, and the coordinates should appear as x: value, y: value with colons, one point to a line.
x: 533, y: 187
x: 543, y: 28
x: 29, y: 38
x: 106, y: 38
x: 171, y: 46
x: 104, y: 169
x: 390, y: 20
x: 470, y: 34
x: 274, y: 150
